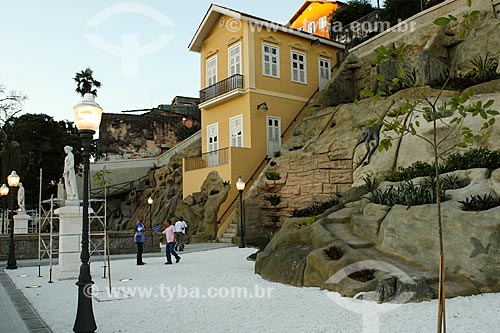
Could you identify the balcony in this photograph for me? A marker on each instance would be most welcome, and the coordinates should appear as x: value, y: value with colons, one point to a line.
x: 221, y: 91
x: 206, y: 160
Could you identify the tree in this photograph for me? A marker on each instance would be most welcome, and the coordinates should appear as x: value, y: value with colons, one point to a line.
x: 350, y: 12
x: 406, y: 119
x: 35, y: 141
x: 86, y: 83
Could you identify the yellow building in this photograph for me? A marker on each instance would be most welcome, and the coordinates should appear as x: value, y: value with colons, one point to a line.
x: 313, y: 17
x: 256, y: 77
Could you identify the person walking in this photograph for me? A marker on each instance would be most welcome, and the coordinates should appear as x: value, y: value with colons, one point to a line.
x: 169, y: 249
x: 140, y: 238
x: 180, y: 231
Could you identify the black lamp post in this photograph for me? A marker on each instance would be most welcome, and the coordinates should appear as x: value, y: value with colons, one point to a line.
x: 240, y: 186
x: 4, y: 190
x: 87, y: 118
x: 150, y: 203
x: 13, y: 180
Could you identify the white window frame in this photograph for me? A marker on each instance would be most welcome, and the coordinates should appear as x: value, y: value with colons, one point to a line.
x: 322, y: 22
x: 270, y: 62
x: 213, y: 148
x: 213, y: 58
x: 329, y: 61
x: 231, y: 143
x: 311, y: 27
x: 229, y: 58
x: 292, y: 61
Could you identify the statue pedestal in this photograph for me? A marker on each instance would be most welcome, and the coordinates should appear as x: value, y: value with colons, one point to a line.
x: 70, y: 237
x: 21, y: 222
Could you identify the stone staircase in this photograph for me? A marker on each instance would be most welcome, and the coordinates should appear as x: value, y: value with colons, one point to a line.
x: 230, y: 233
x: 339, y: 226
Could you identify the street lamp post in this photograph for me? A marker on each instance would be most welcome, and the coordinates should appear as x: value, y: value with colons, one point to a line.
x: 150, y: 203
x: 87, y: 115
x: 4, y: 190
x: 13, y: 181
x: 240, y: 186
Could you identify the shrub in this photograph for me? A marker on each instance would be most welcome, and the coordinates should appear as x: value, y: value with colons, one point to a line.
x: 407, y: 194
x: 371, y: 182
x: 399, y: 9
x: 478, y: 202
x: 417, y: 169
x: 333, y: 253
x: 316, y: 208
x: 483, y: 70
x: 273, y: 199
x: 273, y: 175
x: 473, y: 158
x: 405, y: 79
x: 452, y: 181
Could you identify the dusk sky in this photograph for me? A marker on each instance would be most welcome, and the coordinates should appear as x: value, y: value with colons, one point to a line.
x: 44, y: 43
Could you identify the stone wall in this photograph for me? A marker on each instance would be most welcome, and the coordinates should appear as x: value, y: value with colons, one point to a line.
x: 121, y: 242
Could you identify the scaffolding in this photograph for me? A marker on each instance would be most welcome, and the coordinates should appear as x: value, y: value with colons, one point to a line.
x: 48, y: 222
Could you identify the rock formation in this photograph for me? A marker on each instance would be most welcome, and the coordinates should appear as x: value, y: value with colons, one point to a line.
x: 398, y: 245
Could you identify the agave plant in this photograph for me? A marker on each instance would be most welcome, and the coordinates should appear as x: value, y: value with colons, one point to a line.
x: 478, y: 202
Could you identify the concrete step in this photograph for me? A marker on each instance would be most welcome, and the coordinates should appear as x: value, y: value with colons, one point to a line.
x: 228, y: 234
x: 340, y: 216
x: 225, y: 239
x: 232, y: 228
x: 342, y: 231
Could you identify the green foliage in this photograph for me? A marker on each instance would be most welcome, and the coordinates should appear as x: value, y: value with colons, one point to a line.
x: 101, y: 178
x: 306, y: 222
x: 85, y: 82
x: 351, y: 11
x: 452, y: 181
x: 473, y: 158
x: 371, y: 182
x: 273, y: 199
x: 483, y: 70
x: 407, y: 194
x: 273, y: 175
x: 316, y: 208
x: 405, y: 79
x: 417, y: 169
x: 478, y: 202
x: 399, y: 10
x: 333, y: 252
x: 34, y: 141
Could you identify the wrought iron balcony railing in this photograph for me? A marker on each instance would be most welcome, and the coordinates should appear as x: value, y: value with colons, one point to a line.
x: 222, y: 87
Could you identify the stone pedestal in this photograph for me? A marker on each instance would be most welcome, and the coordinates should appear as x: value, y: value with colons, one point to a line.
x: 21, y: 222
x: 70, y: 236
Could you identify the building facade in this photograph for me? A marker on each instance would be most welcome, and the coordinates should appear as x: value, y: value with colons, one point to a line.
x: 256, y: 76
x: 313, y: 17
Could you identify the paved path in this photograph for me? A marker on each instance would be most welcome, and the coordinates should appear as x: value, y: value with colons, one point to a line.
x: 18, y: 316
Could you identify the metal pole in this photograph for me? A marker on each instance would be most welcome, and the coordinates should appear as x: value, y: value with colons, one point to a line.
x: 85, y: 321
x: 242, y: 229
x: 51, y: 244
x: 3, y: 215
x: 11, y: 262
x: 151, y: 226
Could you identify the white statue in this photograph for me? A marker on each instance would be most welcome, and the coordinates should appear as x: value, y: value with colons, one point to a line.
x: 69, y: 174
x: 20, y: 197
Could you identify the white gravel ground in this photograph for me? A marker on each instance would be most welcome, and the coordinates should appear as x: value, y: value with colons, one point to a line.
x: 195, y: 296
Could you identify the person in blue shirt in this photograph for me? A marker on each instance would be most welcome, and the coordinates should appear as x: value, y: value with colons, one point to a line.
x: 140, y: 238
